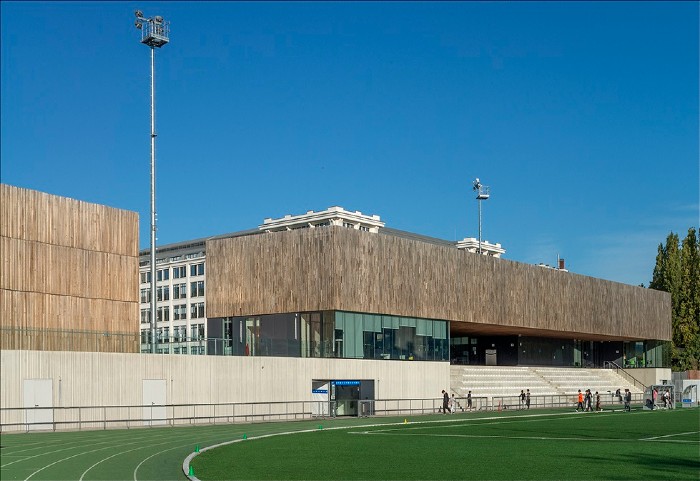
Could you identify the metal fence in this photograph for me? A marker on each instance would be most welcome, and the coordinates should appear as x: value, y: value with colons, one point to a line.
x: 140, y: 416
x: 607, y: 399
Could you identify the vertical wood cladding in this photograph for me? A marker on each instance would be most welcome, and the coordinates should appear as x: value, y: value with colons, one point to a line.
x: 344, y: 269
x: 66, y: 265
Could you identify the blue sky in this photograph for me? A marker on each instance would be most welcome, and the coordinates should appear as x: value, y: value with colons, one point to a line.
x: 581, y: 117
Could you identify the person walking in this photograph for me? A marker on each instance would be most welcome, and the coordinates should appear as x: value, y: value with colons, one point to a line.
x: 527, y: 399
x: 445, y: 401
x: 589, y: 400
x: 469, y: 400
x: 628, y: 400
x: 597, y: 402
x: 453, y: 401
x: 580, y: 401
x: 522, y: 398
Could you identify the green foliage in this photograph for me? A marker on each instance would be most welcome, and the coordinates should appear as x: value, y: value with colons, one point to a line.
x: 677, y: 271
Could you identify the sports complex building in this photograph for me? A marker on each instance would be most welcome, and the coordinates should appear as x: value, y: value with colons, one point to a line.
x: 284, y: 310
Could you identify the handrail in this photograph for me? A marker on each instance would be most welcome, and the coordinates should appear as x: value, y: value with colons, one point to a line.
x: 20, y: 419
x: 613, y: 365
x: 151, y: 415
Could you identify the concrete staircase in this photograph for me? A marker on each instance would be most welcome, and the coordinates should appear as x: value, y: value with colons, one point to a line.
x: 493, y: 381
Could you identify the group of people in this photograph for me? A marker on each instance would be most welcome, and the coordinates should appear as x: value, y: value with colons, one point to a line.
x: 665, y: 398
x: 450, y: 404
x: 627, y: 398
x: 585, y: 401
x: 524, y: 399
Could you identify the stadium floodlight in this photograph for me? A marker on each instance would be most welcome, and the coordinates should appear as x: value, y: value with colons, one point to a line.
x: 154, y: 33
x: 482, y: 193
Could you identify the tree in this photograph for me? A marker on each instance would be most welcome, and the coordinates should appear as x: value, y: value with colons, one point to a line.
x: 677, y: 271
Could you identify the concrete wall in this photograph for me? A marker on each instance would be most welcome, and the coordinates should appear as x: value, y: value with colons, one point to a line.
x: 649, y: 376
x: 115, y: 379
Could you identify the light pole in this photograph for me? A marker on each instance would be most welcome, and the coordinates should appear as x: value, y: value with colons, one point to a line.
x: 154, y: 33
x: 482, y: 193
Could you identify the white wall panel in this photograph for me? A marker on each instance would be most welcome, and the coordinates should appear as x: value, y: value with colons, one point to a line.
x: 116, y: 379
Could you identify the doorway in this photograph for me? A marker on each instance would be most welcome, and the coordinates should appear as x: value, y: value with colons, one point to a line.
x: 38, y: 393
x: 154, y: 400
x: 345, y: 397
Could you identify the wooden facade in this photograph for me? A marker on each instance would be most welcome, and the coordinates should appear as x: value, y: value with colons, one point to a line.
x: 334, y: 268
x: 69, y: 274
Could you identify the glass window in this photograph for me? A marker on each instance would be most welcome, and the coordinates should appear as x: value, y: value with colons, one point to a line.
x: 179, y: 272
x: 163, y: 274
x: 197, y: 289
x: 180, y: 312
x: 163, y: 293
x: 197, y: 269
x: 197, y: 310
x: 145, y: 295
x: 179, y: 291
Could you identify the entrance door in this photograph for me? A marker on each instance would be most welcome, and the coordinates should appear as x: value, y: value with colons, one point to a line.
x: 347, y: 393
x: 154, y: 400
x: 491, y: 357
x: 38, y: 393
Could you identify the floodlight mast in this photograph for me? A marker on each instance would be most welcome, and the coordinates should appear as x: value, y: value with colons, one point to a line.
x: 154, y: 33
x: 482, y: 193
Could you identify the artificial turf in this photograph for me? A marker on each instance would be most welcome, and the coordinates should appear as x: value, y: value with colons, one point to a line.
x: 534, y: 444
x: 523, y: 445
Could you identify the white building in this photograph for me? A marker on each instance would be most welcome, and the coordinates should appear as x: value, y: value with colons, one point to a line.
x: 331, y: 216
x: 472, y: 244
x: 180, y: 291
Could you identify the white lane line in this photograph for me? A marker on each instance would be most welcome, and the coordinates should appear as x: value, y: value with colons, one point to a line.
x: 654, y: 438
x: 493, y: 436
x: 67, y: 445
x: 115, y: 455
x: 44, y: 454
x: 64, y: 459
x: 191, y: 456
x: 75, y: 455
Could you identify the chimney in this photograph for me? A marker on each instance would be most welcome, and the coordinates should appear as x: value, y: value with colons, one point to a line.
x: 561, y: 265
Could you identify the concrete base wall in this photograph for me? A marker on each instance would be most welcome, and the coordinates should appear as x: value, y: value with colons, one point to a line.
x: 651, y: 375
x: 116, y: 379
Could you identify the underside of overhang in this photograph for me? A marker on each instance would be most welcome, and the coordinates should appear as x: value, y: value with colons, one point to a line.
x: 465, y: 329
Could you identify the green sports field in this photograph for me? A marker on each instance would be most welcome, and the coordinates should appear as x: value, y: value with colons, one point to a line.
x: 537, y: 444
x: 519, y: 445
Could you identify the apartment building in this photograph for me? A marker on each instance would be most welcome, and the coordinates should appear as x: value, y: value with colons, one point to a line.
x: 180, y: 293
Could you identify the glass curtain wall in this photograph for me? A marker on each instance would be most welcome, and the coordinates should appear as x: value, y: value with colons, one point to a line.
x: 337, y: 334
x: 539, y: 351
x: 374, y: 336
x: 646, y: 354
